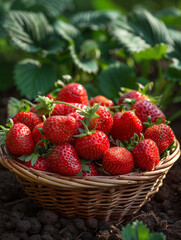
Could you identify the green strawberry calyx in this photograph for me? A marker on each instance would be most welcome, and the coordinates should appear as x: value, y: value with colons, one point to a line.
x: 39, y: 151
x: 84, y: 132
x: 46, y: 106
x: 4, y: 131
x: 149, y: 123
x: 131, y: 143
x: 15, y: 106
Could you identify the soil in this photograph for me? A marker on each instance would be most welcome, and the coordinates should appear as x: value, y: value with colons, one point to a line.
x: 21, y: 219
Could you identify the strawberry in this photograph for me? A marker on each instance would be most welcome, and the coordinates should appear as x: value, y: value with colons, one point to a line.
x: 104, y: 122
x: 125, y: 125
x: 62, y: 109
x: 161, y: 134
x: 19, y: 140
x: 73, y: 92
x: 78, y: 125
x: 41, y: 164
x: 37, y: 135
x: 93, y: 170
x: 117, y: 160
x: 92, y: 146
x: 146, y: 154
x: 103, y: 100
x: 59, y: 129
x: 144, y: 108
x: 63, y: 159
x: 30, y: 119
x: 49, y: 95
x: 133, y: 95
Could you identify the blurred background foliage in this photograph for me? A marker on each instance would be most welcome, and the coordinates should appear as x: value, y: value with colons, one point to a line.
x: 105, y: 45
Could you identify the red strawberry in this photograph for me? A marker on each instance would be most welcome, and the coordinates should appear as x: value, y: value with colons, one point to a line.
x: 93, y: 170
x: 101, y: 99
x: 63, y: 159
x: 37, y: 136
x: 41, y: 164
x: 78, y: 125
x: 133, y: 95
x: 92, y: 146
x: 161, y: 134
x: 30, y: 119
x: 73, y: 92
x: 59, y: 129
x: 49, y: 95
x: 117, y: 160
x: 19, y: 140
x: 63, y: 110
x: 143, y: 109
x: 125, y: 125
x: 104, y: 122
x: 146, y: 154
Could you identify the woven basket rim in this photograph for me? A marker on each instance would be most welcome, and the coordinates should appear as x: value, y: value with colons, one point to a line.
x: 58, y: 180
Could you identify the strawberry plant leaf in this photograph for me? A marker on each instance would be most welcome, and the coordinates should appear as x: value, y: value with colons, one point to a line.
x: 154, y: 53
x: 87, y: 65
x: 95, y: 20
x: 116, y: 76
x: 55, y: 8
x: 32, y: 32
x: 31, y: 77
x: 66, y: 30
x: 139, y: 231
x: 139, y: 31
x: 173, y: 72
x: 157, y: 236
x: 170, y: 16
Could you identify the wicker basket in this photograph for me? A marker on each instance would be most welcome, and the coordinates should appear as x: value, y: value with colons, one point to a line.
x: 103, y: 197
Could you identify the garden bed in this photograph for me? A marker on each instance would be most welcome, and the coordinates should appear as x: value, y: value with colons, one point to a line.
x: 20, y: 218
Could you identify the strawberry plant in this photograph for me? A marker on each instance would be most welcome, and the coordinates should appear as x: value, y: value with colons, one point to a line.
x: 138, y: 231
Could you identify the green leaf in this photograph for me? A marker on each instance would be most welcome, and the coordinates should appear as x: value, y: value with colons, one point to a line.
x: 87, y: 65
x: 154, y: 53
x: 157, y: 236
x: 55, y: 8
x: 116, y: 76
x: 66, y: 30
x: 140, y: 30
x: 138, y: 231
x: 170, y: 16
x: 32, y: 78
x: 32, y: 32
x: 95, y: 20
x: 173, y: 72
x: 92, y: 90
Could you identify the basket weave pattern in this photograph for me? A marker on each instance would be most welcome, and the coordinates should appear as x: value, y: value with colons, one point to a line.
x: 102, y: 197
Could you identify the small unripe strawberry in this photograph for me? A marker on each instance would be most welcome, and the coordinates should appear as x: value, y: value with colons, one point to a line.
x: 117, y: 160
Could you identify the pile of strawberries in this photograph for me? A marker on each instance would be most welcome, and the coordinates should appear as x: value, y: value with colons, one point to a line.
x: 70, y: 135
